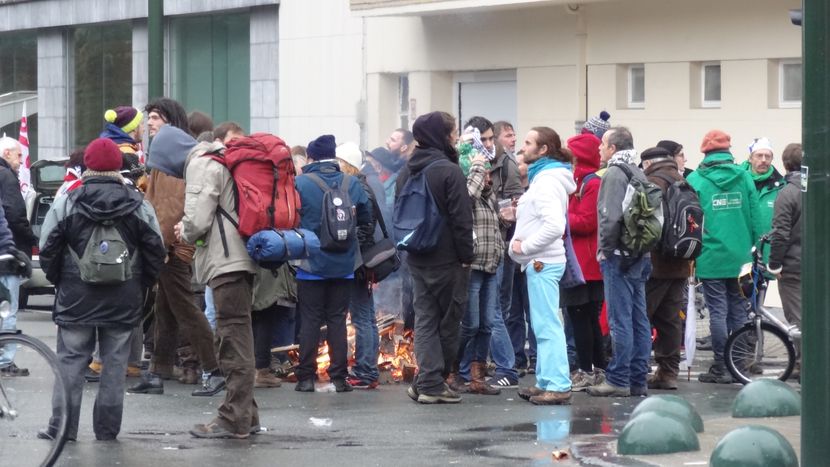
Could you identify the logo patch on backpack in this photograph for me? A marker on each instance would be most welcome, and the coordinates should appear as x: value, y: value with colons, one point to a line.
x: 338, y: 222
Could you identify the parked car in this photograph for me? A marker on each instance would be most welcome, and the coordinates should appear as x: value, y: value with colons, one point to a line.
x: 47, y: 177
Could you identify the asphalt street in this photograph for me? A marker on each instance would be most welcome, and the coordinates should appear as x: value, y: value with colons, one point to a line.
x: 377, y: 427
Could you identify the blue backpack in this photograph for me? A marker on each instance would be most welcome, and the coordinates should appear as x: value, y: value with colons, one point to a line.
x: 417, y: 223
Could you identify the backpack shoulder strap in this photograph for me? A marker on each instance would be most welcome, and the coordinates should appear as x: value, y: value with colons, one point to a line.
x: 320, y: 182
x: 585, y: 181
x: 626, y: 169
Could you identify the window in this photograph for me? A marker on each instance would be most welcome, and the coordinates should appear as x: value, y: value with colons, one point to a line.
x: 101, y: 77
x: 18, y: 73
x: 636, y: 86
x: 403, y: 101
x: 789, y: 83
x: 710, y: 80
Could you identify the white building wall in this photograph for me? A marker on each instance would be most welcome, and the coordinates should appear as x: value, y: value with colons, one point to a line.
x: 52, y: 77
x: 264, y: 70
x: 320, y: 69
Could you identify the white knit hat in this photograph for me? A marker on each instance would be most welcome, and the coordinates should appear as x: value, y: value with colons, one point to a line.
x: 760, y: 143
x: 351, y: 153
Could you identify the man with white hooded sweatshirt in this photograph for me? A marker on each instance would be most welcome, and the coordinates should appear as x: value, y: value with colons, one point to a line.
x: 538, y: 248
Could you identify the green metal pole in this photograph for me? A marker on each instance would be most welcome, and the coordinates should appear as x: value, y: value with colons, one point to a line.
x: 815, y: 265
x: 155, y: 48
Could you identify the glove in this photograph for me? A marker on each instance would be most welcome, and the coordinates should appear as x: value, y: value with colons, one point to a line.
x: 23, y: 264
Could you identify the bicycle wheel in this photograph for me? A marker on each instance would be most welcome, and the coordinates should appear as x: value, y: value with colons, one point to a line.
x: 31, y: 403
x: 749, y: 355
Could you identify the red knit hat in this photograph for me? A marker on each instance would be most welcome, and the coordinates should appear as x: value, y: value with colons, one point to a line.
x: 715, y: 140
x: 102, y: 155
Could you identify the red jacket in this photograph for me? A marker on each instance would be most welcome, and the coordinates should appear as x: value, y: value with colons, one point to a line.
x: 582, y: 205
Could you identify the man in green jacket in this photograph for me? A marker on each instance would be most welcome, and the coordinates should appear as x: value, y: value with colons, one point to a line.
x: 732, y: 225
x: 768, y: 181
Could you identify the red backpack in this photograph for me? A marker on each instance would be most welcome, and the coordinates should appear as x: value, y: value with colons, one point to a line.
x: 263, y: 174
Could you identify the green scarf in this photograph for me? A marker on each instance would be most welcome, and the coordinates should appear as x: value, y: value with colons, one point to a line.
x: 756, y: 177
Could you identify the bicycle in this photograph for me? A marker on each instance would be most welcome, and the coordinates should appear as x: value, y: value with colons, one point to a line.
x: 765, y: 346
x: 26, y: 402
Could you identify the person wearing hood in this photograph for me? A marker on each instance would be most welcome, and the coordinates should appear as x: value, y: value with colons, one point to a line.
x: 85, y: 310
x: 124, y: 128
x: 583, y: 303
x: 325, y: 280
x: 222, y: 262
x: 624, y: 274
x: 768, y: 181
x: 175, y: 307
x: 440, y: 277
x: 730, y: 206
x: 537, y: 247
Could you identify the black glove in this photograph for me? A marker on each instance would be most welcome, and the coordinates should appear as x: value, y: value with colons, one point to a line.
x: 23, y: 265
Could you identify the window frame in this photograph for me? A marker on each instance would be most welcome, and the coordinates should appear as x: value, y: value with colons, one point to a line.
x: 631, y: 104
x: 404, y: 119
x: 710, y: 104
x: 785, y: 104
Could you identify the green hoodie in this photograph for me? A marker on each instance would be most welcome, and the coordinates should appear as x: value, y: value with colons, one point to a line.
x: 731, y: 218
x: 767, y: 185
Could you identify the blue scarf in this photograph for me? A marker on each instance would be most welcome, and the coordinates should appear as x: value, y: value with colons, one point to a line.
x: 545, y: 163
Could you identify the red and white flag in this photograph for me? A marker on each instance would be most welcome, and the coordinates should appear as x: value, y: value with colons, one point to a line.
x: 24, y: 174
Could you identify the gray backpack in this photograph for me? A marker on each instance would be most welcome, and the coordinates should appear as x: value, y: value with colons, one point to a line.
x: 106, y: 259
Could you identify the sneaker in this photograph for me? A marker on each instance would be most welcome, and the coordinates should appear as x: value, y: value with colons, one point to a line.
x: 212, y: 385
x: 213, y: 430
x: 504, y: 383
x: 447, y: 396
x: 305, y: 385
x: 529, y: 391
x: 638, y: 391
x: 552, y: 398
x: 341, y: 385
x: 358, y: 383
x: 13, y: 370
x: 581, y: 381
x: 265, y: 379
x: 150, y: 384
x: 412, y: 392
x: 522, y: 372
x: 717, y: 374
x: 607, y: 389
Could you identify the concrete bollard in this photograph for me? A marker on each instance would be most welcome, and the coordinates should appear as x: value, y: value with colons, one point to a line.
x: 766, y: 398
x: 753, y: 446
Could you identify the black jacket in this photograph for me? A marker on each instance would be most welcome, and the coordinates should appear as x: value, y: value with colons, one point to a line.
x: 15, y: 208
x: 449, y: 188
x: 69, y: 224
x: 785, y: 245
x: 366, y: 231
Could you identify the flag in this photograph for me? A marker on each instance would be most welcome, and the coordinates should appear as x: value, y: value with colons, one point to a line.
x: 24, y: 175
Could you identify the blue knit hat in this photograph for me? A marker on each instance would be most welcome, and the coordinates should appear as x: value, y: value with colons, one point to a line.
x: 597, y: 125
x: 321, y: 148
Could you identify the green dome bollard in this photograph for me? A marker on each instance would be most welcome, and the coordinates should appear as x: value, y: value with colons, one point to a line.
x: 674, y: 405
x: 657, y: 433
x: 753, y: 446
x: 766, y: 398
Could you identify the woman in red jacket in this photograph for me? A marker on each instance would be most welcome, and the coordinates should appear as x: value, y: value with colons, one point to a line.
x: 584, y: 303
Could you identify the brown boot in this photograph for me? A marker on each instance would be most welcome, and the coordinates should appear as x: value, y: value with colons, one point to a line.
x: 477, y: 383
x: 190, y: 376
x: 265, y: 379
x: 529, y: 391
x: 552, y: 398
x: 456, y: 383
x: 662, y: 381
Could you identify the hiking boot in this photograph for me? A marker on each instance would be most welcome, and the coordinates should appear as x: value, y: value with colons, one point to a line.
x: 150, y: 384
x: 599, y: 376
x: 305, y: 385
x: 529, y: 391
x: 265, y: 379
x: 212, y: 385
x: 660, y: 381
x: 13, y: 370
x: 133, y: 371
x: 638, y: 391
x: 190, y: 376
x: 341, y: 385
x: 457, y: 384
x: 447, y: 396
x: 552, y: 398
x: 358, y: 383
x: 607, y: 389
x: 717, y: 374
x: 704, y: 343
x: 581, y: 381
x: 213, y: 430
x: 477, y: 383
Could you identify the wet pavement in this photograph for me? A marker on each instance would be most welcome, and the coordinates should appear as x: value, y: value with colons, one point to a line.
x: 380, y: 427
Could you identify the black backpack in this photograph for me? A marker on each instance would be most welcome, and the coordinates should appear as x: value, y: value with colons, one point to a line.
x: 683, y: 220
x: 338, y: 224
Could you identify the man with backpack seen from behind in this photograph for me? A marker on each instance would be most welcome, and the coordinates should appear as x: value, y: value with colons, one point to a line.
x: 221, y: 261
x: 441, y: 271
x: 101, y: 246
x: 666, y: 288
x: 175, y: 308
x: 733, y: 225
x: 624, y: 272
x: 334, y: 206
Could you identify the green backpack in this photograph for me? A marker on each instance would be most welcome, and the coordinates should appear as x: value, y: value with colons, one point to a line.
x: 106, y: 259
x: 643, y: 216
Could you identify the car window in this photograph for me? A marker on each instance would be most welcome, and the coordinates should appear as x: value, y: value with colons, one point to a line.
x: 51, y: 173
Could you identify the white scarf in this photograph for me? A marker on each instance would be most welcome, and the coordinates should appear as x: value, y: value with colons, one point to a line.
x: 626, y: 156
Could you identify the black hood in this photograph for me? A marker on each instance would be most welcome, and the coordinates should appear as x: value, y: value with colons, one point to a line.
x: 422, y: 157
x: 104, y: 198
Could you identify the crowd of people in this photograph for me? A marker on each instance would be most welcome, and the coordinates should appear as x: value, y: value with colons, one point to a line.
x: 523, y: 234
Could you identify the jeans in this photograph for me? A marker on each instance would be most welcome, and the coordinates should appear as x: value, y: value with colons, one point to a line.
x: 518, y: 321
x: 727, y: 311
x: 625, y: 297
x: 477, y: 325
x: 440, y: 294
x: 367, y: 340
x: 75, y: 345
x: 323, y: 302
x: 10, y: 323
x: 210, y: 308
x: 501, y: 347
x: 552, y: 370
